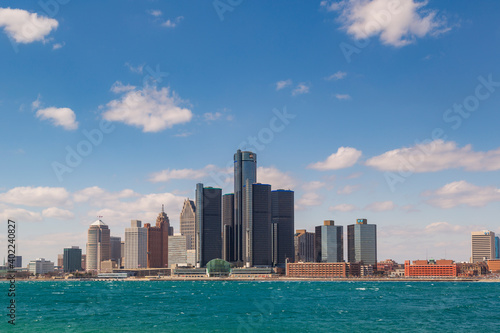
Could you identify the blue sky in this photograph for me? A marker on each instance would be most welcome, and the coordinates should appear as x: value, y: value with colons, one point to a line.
x: 366, y: 109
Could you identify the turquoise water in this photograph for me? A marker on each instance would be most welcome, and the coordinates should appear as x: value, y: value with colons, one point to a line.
x: 232, y: 306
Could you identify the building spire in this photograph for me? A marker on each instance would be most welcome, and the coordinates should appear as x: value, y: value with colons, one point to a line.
x: 162, y: 208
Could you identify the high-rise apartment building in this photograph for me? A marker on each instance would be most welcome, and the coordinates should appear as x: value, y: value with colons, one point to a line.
x: 72, y: 259
x: 227, y: 227
x: 245, y: 170
x: 257, y: 224
x: 362, y: 242
x: 188, y: 224
x: 135, y: 245
x: 483, y: 245
x: 304, y: 246
x: 98, y: 248
x: 177, y: 253
x: 157, y: 241
x: 332, y: 242
x: 283, y: 226
x: 208, y: 224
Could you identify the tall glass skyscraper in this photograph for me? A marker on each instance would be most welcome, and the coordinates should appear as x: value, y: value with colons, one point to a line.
x: 228, y: 227
x: 362, y: 242
x: 282, y: 216
x: 257, y: 224
x: 208, y: 224
x: 332, y: 242
x: 245, y: 170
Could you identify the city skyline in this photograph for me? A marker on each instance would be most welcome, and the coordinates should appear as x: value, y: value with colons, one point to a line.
x: 400, y: 129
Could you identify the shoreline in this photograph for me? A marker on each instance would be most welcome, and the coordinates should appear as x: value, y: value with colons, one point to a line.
x: 280, y: 279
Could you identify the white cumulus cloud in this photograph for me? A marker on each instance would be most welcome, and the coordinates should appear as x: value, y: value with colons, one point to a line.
x: 64, y: 117
x: 36, y: 196
x: 151, y: 109
x: 275, y: 177
x: 397, y: 23
x: 344, y: 157
x: 25, y: 27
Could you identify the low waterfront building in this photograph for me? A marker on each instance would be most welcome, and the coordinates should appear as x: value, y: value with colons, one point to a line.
x: 253, y: 272
x: 494, y: 265
x: 323, y: 270
x: 190, y: 272
x: 430, y: 268
x: 107, y: 266
x: 40, y: 266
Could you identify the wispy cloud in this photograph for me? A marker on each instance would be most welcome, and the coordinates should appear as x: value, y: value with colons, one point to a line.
x: 436, y: 156
x: 336, y: 76
x: 462, y: 193
x: 172, y: 23
x: 345, y: 157
x: 282, y: 84
x: 302, y: 88
x: 342, y: 96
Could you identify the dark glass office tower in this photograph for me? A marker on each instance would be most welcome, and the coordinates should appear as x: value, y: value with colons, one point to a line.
x: 257, y: 224
x: 72, y: 259
x: 245, y: 169
x: 282, y: 217
x: 227, y: 227
x: 208, y: 224
x: 362, y: 242
x: 317, y: 244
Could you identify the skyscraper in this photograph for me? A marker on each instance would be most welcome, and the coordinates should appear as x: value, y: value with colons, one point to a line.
x: 115, y: 248
x: 72, y: 259
x: 332, y: 242
x: 157, y: 241
x: 282, y: 218
x: 208, y: 224
x: 187, y: 223
x: 245, y: 169
x: 97, y: 245
x: 257, y: 224
x: 483, y: 245
x: 135, y: 245
x: 362, y: 242
x: 227, y: 227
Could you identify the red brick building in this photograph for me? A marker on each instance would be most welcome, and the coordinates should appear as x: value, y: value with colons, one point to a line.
x: 157, y: 247
x: 431, y: 268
